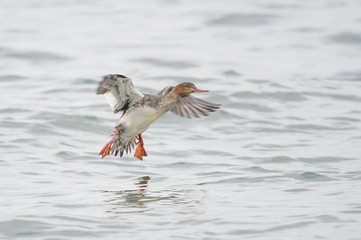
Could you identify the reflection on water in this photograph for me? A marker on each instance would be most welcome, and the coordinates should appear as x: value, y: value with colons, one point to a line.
x: 142, y: 200
x: 128, y: 198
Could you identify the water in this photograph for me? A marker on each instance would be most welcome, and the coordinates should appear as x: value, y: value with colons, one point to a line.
x: 279, y: 160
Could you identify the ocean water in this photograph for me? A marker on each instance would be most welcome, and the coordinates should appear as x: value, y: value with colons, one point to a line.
x: 279, y: 160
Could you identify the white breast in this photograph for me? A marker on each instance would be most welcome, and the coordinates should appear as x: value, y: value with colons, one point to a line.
x: 139, y: 120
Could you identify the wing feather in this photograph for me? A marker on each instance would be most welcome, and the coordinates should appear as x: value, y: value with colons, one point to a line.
x: 189, y: 106
x: 119, y: 92
x: 166, y: 90
x: 193, y: 107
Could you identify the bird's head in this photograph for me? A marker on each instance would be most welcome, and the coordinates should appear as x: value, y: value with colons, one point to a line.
x: 187, y: 88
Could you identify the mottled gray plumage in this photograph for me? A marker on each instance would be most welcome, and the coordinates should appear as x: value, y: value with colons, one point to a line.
x: 120, y: 92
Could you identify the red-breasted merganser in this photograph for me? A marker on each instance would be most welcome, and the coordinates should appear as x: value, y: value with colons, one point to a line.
x: 141, y: 110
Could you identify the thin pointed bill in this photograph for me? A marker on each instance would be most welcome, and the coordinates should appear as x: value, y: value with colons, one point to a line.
x: 199, y: 91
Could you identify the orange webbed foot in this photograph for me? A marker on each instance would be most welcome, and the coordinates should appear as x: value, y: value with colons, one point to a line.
x: 140, y: 151
x: 108, y: 147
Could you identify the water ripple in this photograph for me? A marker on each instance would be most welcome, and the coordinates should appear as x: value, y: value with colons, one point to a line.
x: 347, y: 38
x: 240, y: 19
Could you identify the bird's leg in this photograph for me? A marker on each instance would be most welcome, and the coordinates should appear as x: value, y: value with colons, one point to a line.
x: 140, y: 151
x: 107, y: 148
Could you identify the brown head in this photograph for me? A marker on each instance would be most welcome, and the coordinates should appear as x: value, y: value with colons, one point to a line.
x: 186, y: 88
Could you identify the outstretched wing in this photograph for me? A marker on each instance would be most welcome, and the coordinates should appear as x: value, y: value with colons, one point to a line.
x: 119, y: 91
x: 189, y: 106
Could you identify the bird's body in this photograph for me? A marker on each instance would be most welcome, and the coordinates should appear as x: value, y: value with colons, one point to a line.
x: 138, y: 120
x: 141, y: 110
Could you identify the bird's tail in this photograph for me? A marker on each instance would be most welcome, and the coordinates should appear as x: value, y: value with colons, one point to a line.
x: 118, y: 145
x: 121, y: 145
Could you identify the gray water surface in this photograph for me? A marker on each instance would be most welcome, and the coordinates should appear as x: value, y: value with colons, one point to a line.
x: 279, y: 160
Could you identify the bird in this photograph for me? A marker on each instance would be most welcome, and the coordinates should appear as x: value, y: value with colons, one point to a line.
x: 140, y: 110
